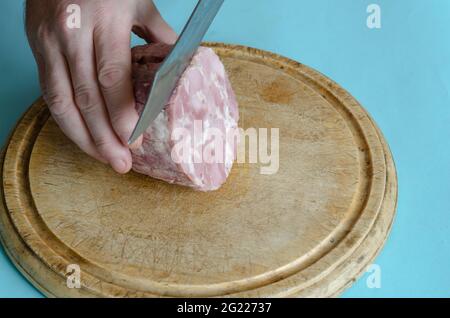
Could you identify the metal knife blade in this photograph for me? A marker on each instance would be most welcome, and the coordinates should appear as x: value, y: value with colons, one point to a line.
x: 176, y: 63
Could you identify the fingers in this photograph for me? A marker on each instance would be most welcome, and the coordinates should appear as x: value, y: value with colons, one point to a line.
x: 113, y: 57
x: 87, y: 82
x: 57, y: 91
x: 150, y: 25
x: 89, y: 100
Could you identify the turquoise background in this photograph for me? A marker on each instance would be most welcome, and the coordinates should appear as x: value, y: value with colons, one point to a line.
x: 400, y: 73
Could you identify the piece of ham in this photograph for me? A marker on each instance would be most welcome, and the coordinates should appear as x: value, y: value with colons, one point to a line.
x: 202, y: 105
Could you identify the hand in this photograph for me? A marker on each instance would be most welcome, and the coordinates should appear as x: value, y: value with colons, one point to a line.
x: 85, y: 73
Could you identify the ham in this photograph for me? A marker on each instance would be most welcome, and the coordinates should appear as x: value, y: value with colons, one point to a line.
x: 192, y: 142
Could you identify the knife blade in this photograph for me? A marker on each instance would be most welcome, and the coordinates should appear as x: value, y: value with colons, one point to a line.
x: 176, y: 62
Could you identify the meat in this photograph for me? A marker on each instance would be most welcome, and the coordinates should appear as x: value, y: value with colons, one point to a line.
x: 193, y: 141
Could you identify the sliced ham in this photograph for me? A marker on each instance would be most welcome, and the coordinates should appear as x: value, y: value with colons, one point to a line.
x: 202, y: 105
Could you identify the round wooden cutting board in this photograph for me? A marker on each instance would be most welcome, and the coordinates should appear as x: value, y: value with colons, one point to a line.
x: 308, y: 230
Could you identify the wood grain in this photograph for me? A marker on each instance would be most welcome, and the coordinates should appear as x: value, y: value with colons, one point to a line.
x: 308, y: 230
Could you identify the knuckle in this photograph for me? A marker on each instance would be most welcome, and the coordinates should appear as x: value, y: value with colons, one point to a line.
x: 103, y: 145
x: 41, y: 32
x: 116, y: 119
x: 122, y: 127
x: 59, y: 23
x: 111, y: 77
x: 85, y: 99
x: 58, y: 104
x: 61, y: 14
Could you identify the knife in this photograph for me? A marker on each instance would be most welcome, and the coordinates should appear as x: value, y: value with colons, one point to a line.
x: 176, y: 62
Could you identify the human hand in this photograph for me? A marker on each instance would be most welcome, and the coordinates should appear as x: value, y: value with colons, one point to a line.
x: 85, y: 73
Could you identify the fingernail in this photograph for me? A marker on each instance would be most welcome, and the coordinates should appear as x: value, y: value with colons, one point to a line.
x: 120, y: 165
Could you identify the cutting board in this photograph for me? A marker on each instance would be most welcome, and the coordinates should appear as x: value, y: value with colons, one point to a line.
x: 309, y: 230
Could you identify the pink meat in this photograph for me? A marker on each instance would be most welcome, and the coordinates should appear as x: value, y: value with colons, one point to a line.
x: 202, y: 105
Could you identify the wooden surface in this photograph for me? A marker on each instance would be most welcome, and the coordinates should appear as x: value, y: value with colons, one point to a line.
x: 308, y: 230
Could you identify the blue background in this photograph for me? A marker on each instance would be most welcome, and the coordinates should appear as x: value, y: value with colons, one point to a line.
x: 400, y: 73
